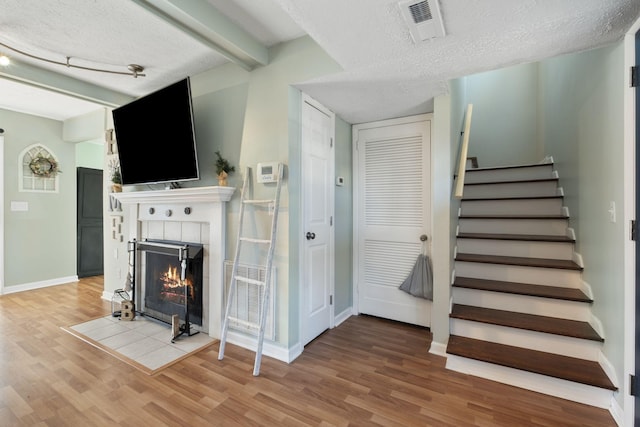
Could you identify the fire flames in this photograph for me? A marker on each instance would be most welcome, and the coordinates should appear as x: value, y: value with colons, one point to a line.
x: 173, y: 288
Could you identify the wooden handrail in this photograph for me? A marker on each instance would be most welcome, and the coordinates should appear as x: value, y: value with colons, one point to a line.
x: 462, y: 162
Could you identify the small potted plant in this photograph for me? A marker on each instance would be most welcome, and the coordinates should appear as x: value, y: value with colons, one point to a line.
x: 116, y: 176
x: 223, y: 169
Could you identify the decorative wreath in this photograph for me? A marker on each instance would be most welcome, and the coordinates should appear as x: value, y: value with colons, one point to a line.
x: 46, y: 167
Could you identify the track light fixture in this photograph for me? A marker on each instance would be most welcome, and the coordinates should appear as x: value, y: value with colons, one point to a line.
x: 135, y: 70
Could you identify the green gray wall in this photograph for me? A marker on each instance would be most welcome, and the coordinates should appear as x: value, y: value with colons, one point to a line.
x: 89, y: 154
x: 343, y: 225
x: 40, y: 244
x: 506, y: 99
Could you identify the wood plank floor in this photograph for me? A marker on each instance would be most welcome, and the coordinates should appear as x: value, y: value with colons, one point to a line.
x: 366, y: 372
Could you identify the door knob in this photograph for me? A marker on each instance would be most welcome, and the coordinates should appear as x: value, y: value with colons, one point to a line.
x: 310, y: 235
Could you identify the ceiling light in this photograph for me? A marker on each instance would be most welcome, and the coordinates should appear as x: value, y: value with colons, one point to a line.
x: 135, y: 70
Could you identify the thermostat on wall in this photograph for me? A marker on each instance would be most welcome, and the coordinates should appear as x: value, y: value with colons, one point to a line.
x: 267, y: 172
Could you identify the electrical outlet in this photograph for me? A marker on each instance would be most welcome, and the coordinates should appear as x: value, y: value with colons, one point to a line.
x: 115, y: 253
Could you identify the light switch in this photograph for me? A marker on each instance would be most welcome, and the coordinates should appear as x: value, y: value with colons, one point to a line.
x: 612, y: 212
x: 19, y: 206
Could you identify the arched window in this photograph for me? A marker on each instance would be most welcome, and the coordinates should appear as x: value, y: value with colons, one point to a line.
x: 38, y: 169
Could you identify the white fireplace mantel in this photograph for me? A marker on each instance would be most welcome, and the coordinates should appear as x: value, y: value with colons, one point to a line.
x: 196, y: 204
x: 179, y: 195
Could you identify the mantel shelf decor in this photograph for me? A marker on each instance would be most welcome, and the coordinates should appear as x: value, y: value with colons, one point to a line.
x: 223, y: 169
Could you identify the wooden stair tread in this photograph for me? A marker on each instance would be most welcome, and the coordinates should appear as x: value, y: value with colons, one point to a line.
x: 549, y: 364
x: 564, y: 264
x: 497, y: 216
x: 513, y: 181
x: 530, y: 322
x: 542, y: 291
x: 523, y: 237
x: 493, y: 168
x: 476, y: 199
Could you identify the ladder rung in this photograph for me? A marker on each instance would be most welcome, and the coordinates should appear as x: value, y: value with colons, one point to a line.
x: 257, y: 202
x: 244, y: 323
x: 250, y: 281
x: 252, y: 240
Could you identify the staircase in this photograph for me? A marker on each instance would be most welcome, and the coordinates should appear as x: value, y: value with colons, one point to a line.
x: 521, y: 313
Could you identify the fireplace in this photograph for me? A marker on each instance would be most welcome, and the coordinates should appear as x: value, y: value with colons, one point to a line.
x: 165, y: 292
x: 194, y: 214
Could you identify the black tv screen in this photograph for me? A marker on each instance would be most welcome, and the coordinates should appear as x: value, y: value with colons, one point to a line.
x: 156, y: 138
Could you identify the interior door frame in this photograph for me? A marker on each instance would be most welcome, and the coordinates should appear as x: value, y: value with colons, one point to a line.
x: 626, y: 415
x: 356, y: 192
x: 301, y: 238
x: 83, y: 223
x: 2, y: 214
x: 636, y: 127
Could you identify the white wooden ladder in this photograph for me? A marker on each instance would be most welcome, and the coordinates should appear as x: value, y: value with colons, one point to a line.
x: 263, y: 286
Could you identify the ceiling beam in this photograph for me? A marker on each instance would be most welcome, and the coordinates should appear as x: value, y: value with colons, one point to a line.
x: 206, y: 24
x: 52, y: 81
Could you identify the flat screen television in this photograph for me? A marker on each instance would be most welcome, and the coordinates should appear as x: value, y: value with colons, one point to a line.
x: 156, y: 137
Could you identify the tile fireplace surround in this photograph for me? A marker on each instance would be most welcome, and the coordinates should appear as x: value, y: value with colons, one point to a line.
x: 195, y: 215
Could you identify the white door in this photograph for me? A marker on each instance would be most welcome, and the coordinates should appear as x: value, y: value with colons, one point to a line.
x: 317, y: 201
x: 392, y: 210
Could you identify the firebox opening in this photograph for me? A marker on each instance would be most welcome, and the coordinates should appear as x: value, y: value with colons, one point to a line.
x: 165, y: 293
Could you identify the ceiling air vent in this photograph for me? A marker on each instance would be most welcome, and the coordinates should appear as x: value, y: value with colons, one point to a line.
x: 423, y: 19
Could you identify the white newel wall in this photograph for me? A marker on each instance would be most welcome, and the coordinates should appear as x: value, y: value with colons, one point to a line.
x: 195, y: 215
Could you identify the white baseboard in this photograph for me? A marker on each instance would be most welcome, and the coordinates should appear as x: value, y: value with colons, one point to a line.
x: 38, y: 285
x: 269, y: 348
x: 340, y: 318
x: 608, y: 369
x: 568, y: 390
x: 616, y: 412
x: 438, y: 349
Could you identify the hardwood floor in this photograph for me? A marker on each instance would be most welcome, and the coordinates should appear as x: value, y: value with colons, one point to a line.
x: 365, y: 372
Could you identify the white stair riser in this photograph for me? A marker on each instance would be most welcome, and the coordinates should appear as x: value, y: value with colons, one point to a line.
x: 520, y: 274
x: 512, y: 207
x: 556, y: 227
x: 576, y: 392
x: 500, y: 175
x: 519, y: 189
x: 517, y: 248
x: 563, y: 309
x: 549, y: 343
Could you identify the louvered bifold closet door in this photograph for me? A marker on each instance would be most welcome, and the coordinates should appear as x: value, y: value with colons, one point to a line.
x: 393, y: 210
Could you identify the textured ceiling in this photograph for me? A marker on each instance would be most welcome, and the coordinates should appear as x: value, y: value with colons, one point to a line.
x: 371, y: 42
x: 385, y: 73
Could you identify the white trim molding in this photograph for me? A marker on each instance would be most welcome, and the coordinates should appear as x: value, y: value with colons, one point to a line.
x: 342, y: 317
x: 270, y: 348
x: 37, y: 285
x: 629, y: 213
x: 2, y: 216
